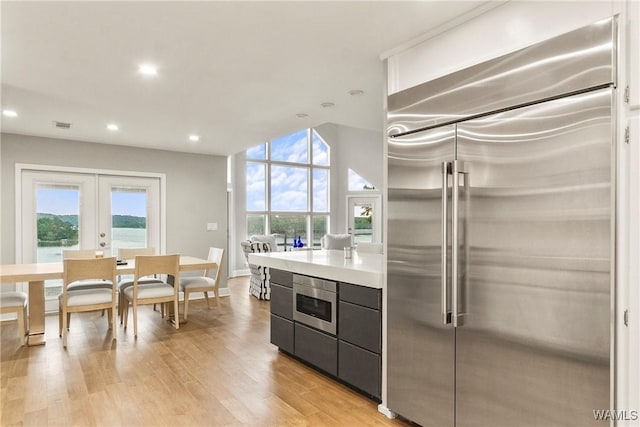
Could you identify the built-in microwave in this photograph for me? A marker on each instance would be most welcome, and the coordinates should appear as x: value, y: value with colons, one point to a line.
x: 315, y: 302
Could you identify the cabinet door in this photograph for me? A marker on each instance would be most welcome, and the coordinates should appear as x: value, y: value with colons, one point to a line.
x: 360, y: 326
x: 282, y: 301
x: 361, y: 295
x: 360, y: 368
x: 317, y: 348
x: 282, y: 333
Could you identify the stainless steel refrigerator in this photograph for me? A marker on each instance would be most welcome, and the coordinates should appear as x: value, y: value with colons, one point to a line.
x: 500, y: 285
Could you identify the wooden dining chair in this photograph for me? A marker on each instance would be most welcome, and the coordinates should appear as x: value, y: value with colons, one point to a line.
x: 155, y: 293
x: 16, y: 302
x: 204, y: 283
x: 83, y: 284
x: 126, y: 282
x: 90, y: 299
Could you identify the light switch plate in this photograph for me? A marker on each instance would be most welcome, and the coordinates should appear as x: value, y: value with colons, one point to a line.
x: 212, y: 226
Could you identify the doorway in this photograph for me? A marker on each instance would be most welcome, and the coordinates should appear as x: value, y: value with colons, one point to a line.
x: 364, y: 218
x: 62, y: 210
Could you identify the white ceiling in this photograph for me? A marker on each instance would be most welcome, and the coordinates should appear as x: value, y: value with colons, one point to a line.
x: 235, y: 73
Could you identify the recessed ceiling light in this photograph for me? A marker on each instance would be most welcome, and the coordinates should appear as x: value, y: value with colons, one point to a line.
x: 112, y: 127
x: 9, y: 113
x: 301, y: 115
x: 148, y: 70
x: 328, y: 104
x: 194, y: 138
x: 356, y: 92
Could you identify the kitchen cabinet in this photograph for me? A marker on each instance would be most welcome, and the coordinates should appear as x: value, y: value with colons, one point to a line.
x: 282, y: 329
x: 354, y: 354
x: 360, y: 337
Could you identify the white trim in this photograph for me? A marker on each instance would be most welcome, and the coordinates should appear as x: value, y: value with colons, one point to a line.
x: 239, y: 273
x: 91, y: 171
x: 386, y: 412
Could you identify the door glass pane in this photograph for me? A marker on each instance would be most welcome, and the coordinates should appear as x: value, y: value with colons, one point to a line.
x: 128, y: 219
x: 362, y: 221
x: 321, y: 190
x: 58, y: 214
x: 289, y: 188
x: 256, y: 186
x: 320, y: 228
x: 255, y: 225
x: 288, y: 227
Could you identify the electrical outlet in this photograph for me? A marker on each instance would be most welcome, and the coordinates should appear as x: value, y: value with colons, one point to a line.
x: 212, y: 226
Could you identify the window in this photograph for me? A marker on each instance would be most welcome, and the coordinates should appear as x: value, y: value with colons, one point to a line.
x: 288, y: 188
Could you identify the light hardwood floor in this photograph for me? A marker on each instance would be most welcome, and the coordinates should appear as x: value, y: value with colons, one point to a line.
x: 219, y: 369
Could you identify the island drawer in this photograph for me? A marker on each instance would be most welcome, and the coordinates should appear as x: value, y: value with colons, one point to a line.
x: 284, y: 278
x: 282, y: 333
x: 281, y: 301
x: 361, y: 295
x: 317, y: 348
x: 360, y: 368
x: 360, y: 326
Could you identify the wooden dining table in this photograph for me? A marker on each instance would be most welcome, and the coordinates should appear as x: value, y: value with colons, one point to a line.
x: 36, y: 274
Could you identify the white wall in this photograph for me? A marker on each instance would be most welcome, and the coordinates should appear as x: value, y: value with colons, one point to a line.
x: 196, y: 186
x: 358, y: 149
x: 517, y: 24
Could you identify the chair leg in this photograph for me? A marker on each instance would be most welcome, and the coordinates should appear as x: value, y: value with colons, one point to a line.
x: 68, y: 320
x: 121, y: 299
x: 186, y: 304
x: 65, y: 317
x: 206, y: 297
x: 125, y: 312
x: 20, y: 314
x: 135, y: 319
x: 114, y: 330
x: 109, y: 317
x: 60, y: 322
x: 163, y: 312
x: 216, y: 292
x: 176, y: 316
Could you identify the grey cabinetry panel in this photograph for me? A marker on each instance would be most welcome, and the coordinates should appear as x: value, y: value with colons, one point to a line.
x: 282, y: 301
x: 317, y: 348
x: 284, y: 278
x: 361, y: 295
x: 360, y: 368
x: 282, y: 333
x: 360, y: 326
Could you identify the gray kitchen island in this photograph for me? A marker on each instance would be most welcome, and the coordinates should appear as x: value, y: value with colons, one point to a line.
x: 326, y: 311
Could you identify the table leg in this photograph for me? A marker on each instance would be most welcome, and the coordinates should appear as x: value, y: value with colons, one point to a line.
x: 36, y: 313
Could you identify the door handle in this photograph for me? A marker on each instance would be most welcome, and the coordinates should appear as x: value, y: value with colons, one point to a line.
x: 457, y: 169
x: 103, y: 244
x: 444, y: 293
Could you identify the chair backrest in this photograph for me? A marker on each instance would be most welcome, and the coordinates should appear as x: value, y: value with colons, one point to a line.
x: 88, y: 269
x: 215, y: 255
x: 131, y: 253
x: 367, y: 247
x: 266, y: 238
x: 79, y: 253
x: 147, y: 265
x: 336, y: 241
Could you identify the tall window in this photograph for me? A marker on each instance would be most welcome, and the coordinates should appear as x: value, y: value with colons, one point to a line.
x: 288, y: 188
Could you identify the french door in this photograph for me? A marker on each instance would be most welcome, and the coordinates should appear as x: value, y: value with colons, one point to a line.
x: 68, y: 210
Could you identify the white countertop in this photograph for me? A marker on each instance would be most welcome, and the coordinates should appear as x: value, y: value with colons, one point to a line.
x: 365, y: 269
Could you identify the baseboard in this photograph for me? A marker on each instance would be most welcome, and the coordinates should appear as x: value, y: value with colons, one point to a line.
x: 386, y: 411
x: 238, y: 273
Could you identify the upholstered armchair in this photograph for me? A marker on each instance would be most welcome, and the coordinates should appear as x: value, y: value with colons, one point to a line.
x: 336, y: 241
x: 259, y: 285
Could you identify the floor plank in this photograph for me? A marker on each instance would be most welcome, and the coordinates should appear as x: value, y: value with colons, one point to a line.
x: 218, y: 369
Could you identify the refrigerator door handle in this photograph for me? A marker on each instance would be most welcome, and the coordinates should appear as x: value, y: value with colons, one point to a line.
x: 446, y: 312
x: 457, y: 168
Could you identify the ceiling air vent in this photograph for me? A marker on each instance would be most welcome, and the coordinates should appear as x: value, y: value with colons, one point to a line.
x: 61, y: 125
